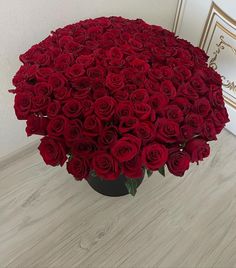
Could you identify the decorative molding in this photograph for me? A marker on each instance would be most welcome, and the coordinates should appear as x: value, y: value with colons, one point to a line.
x: 215, y: 16
x: 178, y: 15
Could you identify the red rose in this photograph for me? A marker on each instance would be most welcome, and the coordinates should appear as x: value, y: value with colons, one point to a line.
x: 158, y: 101
x: 40, y: 103
x: 43, y: 88
x: 105, y: 165
x: 208, y: 130
x: 114, y: 81
x: 142, y: 110
x: 188, y: 91
x: 126, y: 148
x: 73, y: 131
x: 56, y: 80
x: 168, y: 89
x: 87, y: 107
x: 61, y: 93
x: 53, y: 108
x: 167, y: 130
x: 133, y: 168
x: 84, y: 147
x: 178, y: 162
x: 145, y: 131
x: 139, y: 95
x: 104, y: 107
x: 43, y: 73
x: 63, y: 61
x: 121, y: 95
x: 220, y: 118
x: 197, y: 149
x: 154, y: 156
x: 123, y: 108
x: 75, y: 70
x: 202, y: 107
x: 52, y: 151
x: 92, y: 126
x: 107, y: 137
x: 85, y: 60
x: 78, y: 167
x: 127, y: 123
x: 186, y: 133
x: 140, y: 65
x: 183, y: 104
x: 173, y: 112
x: 199, y: 85
x: 56, y: 126
x: 22, y: 105
x: 36, y: 125
x: 72, y: 108
x: 195, y: 121
x: 215, y: 96
x: 115, y: 54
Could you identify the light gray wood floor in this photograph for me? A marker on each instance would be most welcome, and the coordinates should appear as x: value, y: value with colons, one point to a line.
x: 49, y: 220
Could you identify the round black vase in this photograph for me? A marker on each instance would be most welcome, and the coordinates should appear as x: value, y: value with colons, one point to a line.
x: 110, y: 188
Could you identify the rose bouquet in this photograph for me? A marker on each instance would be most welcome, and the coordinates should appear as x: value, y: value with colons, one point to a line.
x: 114, y: 96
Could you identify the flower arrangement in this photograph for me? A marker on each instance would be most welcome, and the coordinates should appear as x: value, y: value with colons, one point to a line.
x: 114, y: 96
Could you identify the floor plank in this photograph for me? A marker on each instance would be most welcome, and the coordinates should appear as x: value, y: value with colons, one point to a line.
x: 47, y: 219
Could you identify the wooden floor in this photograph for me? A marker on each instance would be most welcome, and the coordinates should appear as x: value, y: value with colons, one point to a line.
x: 49, y: 220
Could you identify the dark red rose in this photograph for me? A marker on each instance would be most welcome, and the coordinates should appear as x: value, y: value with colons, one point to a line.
x: 208, y: 130
x: 85, y: 60
x: 40, y: 103
x: 178, y: 162
x: 133, y: 168
x: 87, y: 107
x: 104, y: 107
x: 114, y: 81
x: 107, y: 137
x: 105, y: 165
x: 186, y: 132
x: 84, y: 147
x: 154, y: 156
x: 82, y: 94
x: 197, y: 149
x: 43, y: 88
x: 121, y: 95
x: 142, y: 110
x: 127, y: 123
x: 56, y: 126
x: 53, y: 108
x: 82, y: 83
x: 78, y: 167
x: 167, y: 130
x: 220, y: 118
x: 139, y: 95
x: 115, y: 54
x: 140, y: 65
x: 124, y: 108
x: 168, y: 89
x: 43, y: 73
x: 158, y: 101
x: 36, y: 125
x: 126, y: 148
x: 92, y: 126
x: 145, y: 131
x: 188, y: 91
x: 202, y: 107
x: 75, y: 70
x: 173, y: 112
x: 96, y: 72
x: 183, y: 71
x: 100, y: 92
x: 56, y: 80
x: 52, y: 151
x: 199, y: 85
x: 195, y: 121
x: 215, y: 96
x: 62, y: 93
x: 72, y: 108
x: 23, y: 103
x: 72, y: 131
x: 183, y: 104
x: 63, y: 61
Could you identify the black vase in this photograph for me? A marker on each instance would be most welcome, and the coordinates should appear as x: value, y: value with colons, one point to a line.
x: 111, y: 188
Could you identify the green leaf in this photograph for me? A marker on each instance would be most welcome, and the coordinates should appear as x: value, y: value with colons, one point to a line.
x: 162, y: 170
x: 131, y: 185
x: 92, y: 173
x: 149, y: 172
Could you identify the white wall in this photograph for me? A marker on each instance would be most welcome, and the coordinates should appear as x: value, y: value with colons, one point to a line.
x: 24, y: 23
